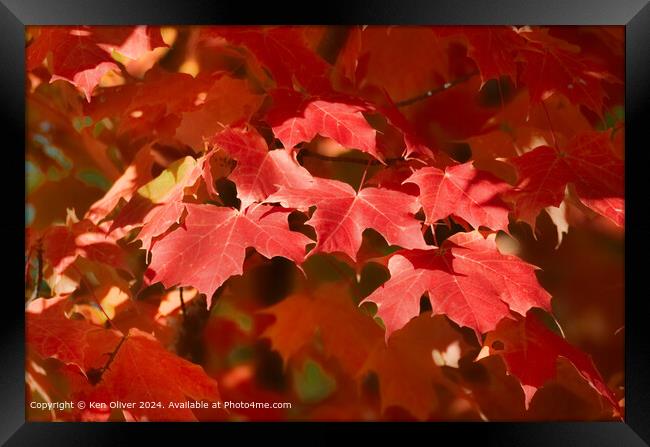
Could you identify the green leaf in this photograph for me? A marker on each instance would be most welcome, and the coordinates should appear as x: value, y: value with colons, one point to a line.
x: 312, y: 383
x: 157, y: 189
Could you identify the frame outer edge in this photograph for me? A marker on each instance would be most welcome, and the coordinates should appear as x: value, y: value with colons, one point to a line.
x: 375, y: 12
x: 12, y: 20
x: 12, y: 323
x: 637, y: 98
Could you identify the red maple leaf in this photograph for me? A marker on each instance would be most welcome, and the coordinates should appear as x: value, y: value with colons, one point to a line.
x: 72, y: 341
x: 551, y: 64
x: 494, y: 49
x: 404, y: 61
x: 211, y: 245
x: 259, y: 172
x: 342, y: 214
x: 414, y: 145
x: 156, y: 208
x: 531, y: 351
x: 588, y: 161
x: 153, y: 105
x: 403, y: 366
x: 132, y: 368
x: 296, y: 118
x: 225, y: 112
x: 62, y: 244
x: 228, y: 101
x: 282, y: 49
x: 331, y: 313
x: 131, y: 42
x: 467, y: 279
x: 133, y: 177
x: 159, y: 220
x: 143, y: 371
x: 462, y: 191
x: 82, y: 55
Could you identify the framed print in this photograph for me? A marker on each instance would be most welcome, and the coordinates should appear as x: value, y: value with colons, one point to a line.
x: 393, y: 219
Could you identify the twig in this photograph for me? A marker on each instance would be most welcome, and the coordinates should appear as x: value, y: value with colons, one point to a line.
x: 429, y: 93
x: 95, y: 374
x: 114, y: 353
x: 39, y: 275
x: 180, y: 294
x: 344, y: 159
x: 92, y: 293
x: 28, y: 259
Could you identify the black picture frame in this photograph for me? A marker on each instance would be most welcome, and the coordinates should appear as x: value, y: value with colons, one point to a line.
x: 634, y: 14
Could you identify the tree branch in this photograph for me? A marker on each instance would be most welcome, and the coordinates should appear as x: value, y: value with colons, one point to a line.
x: 95, y: 374
x: 83, y: 279
x: 39, y: 275
x: 180, y: 295
x: 345, y: 159
x: 429, y: 93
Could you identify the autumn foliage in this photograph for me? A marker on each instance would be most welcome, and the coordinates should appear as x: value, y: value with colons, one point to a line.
x: 368, y: 223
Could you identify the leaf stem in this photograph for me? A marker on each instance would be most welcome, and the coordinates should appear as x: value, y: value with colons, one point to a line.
x: 433, y: 233
x: 501, y: 100
x: 550, y: 126
x: 557, y: 323
x: 363, y: 177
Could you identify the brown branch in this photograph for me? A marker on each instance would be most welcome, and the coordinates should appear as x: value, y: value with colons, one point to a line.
x: 28, y: 260
x: 430, y: 93
x: 39, y: 275
x: 180, y: 294
x: 83, y: 279
x: 344, y: 159
x: 95, y: 374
